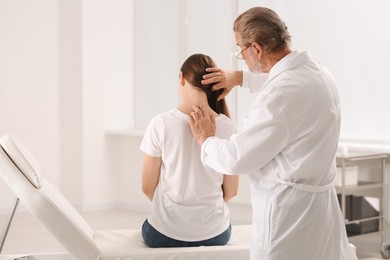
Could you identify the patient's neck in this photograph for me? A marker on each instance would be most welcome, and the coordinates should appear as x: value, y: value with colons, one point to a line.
x: 192, y: 98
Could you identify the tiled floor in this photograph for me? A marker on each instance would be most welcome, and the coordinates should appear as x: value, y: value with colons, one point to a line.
x: 29, y: 236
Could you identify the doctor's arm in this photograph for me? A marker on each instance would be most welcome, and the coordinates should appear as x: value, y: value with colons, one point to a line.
x: 227, y: 80
x: 230, y: 186
x: 150, y: 175
x: 248, y: 151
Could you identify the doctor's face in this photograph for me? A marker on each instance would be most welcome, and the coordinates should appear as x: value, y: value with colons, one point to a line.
x: 248, y: 54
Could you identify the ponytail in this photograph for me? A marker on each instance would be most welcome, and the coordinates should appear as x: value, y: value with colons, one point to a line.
x: 193, y: 70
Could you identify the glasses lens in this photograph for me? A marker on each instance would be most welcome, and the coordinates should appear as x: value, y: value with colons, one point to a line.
x: 238, y: 55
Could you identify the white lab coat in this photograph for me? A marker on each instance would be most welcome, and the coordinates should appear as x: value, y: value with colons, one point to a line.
x: 287, y: 147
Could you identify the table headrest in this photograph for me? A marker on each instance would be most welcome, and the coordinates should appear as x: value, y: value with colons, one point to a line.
x: 22, y: 158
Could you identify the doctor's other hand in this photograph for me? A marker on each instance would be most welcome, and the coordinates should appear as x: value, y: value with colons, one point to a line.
x: 226, y: 80
x: 202, y: 124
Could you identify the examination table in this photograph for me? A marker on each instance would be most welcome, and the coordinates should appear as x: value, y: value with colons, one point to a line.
x: 21, y: 172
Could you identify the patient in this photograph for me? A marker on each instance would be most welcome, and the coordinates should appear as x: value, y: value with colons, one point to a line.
x: 188, y: 200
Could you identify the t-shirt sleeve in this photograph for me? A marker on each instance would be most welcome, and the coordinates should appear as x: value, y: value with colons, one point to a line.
x: 152, y: 141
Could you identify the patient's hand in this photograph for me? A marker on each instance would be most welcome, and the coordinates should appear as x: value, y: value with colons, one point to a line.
x: 202, y: 124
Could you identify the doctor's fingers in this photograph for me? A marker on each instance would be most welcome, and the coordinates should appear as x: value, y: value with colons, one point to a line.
x: 213, y: 69
x: 224, y: 93
x: 199, y: 112
x: 193, y: 126
x: 213, y: 77
x: 212, y: 119
x: 191, y: 121
x: 194, y: 117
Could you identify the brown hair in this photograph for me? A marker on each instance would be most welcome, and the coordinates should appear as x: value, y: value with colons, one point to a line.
x: 264, y: 26
x: 193, y: 70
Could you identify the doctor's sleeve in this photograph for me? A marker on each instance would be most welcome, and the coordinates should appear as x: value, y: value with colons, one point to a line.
x: 253, y: 81
x: 251, y: 149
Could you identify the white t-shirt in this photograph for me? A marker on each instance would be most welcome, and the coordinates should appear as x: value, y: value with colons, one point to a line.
x: 188, y: 202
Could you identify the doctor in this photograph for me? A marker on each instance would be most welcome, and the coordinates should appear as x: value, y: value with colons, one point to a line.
x: 287, y: 145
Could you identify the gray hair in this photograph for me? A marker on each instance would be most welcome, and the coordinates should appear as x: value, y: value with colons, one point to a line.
x: 264, y: 26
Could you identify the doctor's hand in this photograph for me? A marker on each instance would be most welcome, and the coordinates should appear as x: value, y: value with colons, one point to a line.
x: 202, y: 124
x: 225, y: 80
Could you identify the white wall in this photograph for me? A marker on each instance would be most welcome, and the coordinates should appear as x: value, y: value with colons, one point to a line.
x: 66, y: 76
x: 349, y: 38
x: 29, y: 82
x: 157, y: 57
x: 70, y: 101
x: 107, y: 49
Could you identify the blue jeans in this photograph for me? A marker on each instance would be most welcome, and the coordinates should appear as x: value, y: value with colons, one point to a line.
x: 153, y: 238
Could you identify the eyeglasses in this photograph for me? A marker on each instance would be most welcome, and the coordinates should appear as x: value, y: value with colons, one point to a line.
x: 239, y: 55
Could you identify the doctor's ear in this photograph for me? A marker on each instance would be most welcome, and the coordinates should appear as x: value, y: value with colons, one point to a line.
x: 258, y: 48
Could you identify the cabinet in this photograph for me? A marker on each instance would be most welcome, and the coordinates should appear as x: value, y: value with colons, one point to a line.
x: 362, y: 194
